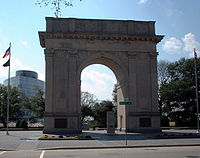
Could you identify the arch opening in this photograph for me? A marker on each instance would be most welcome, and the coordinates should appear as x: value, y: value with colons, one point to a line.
x: 115, y: 73
x: 98, y: 80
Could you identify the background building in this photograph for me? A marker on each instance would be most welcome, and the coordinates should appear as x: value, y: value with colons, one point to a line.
x: 26, y: 82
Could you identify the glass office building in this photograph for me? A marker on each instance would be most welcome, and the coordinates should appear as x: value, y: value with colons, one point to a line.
x: 26, y: 82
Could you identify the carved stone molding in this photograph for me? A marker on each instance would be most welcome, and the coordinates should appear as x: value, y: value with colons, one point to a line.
x: 51, y: 114
x: 90, y: 36
x: 49, y: 52
x: 144, y: 114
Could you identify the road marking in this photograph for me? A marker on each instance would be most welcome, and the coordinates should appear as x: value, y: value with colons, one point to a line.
x: 2, y: 152
x: 42, y: 154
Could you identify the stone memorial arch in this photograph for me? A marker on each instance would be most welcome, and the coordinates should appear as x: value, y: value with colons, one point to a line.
x: 127, y: 47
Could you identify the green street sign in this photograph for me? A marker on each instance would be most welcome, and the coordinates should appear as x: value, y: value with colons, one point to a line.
x: 125, y: 99
x: 129, y: 103
x: 121, y: 103
x: 125, y: 103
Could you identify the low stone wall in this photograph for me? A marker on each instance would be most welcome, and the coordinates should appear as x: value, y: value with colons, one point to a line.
x: 22, y: 129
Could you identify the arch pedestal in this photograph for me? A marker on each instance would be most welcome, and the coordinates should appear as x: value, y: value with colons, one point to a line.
x: 128, y: 48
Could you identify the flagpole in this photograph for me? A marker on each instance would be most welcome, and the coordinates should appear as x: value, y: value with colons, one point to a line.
x: 196, y: 84
x: 8, y: 106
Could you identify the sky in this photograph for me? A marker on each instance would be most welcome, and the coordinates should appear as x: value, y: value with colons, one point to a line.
x: 20, y: 21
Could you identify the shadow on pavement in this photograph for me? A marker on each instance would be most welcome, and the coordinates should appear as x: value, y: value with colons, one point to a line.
x: 118, y: 136
x: 102, y: 135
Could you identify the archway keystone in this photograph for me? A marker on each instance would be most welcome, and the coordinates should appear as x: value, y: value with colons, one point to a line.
x: 128, y: 48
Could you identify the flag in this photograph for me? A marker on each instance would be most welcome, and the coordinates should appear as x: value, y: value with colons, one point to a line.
x: 7, y: 53
x: 195, y: 54
x: 7, y: 63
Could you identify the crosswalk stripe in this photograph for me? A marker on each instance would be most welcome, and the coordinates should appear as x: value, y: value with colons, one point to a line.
x: 42, y: 154
x: 2, y: 152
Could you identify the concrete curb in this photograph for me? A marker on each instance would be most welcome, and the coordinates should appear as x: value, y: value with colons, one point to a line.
x: 2, y: 149
x: 115, y: 147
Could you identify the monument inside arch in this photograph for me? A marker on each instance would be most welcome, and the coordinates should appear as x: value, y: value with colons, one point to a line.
x: 127, y: 47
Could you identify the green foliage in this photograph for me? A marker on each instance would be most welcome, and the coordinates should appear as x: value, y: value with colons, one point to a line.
x: 163, y: 76
x: 90, y: 107
x: 164, y: 121
x: 114, y: 95
x: 37, y: 104
x: 87, y: 102
x: 100, y: 112
x: 88, y: 99
x: 23, y: 124
x: 85, y: 111
x: 18, y: 123
x: 177, y: 96
x: 15, y: 111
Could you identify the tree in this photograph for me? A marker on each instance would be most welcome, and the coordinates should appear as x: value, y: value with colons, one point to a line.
x: 163, y: 75
x: 87, y: 102
x: 88, y: 99
x: 37, y: 104
x: 100, y: 112
x: 15, y: 112
x: 86, y: 111
x: 178, y: 95
x: 114, y: 95
x: 56, y: 4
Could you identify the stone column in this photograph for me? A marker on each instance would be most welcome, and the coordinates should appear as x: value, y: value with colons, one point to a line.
x: 154, y: 92
x: 62, y: 111
x: 132, y: 74
x: 74, y: 94
x: 48, y: 120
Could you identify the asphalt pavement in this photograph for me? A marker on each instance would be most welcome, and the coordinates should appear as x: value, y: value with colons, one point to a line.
x: 164, y: 152
x: 28, y: 140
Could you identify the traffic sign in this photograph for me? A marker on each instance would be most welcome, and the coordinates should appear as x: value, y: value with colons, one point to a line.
x: 125, y: 103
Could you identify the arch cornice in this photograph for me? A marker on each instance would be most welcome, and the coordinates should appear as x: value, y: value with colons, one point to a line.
x: 95, y: 36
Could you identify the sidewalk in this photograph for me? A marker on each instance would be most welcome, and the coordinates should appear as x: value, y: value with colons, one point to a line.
x: 28, y: 140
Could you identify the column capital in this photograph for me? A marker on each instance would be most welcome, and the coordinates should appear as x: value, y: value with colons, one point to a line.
x: 49, y: 52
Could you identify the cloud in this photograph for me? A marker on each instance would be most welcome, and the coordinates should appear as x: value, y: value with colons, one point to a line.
x: 173, y: 12
x: 41, y: 76
x: 142, y: 1
x: 16, y: 64
x: 97, y: 83
x: 172, y: 45
x: 190, y: 43
x: 186, y: 44
x: 25, y: 43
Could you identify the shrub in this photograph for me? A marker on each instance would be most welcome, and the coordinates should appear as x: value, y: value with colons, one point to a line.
x: 18, y: 123
x: 23, y: 124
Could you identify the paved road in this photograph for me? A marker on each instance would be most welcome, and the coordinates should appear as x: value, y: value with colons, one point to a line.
x: 172, y: 152
x: 28, y: 140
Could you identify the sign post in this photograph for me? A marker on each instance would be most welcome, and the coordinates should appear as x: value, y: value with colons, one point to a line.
x: 125, y: 102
